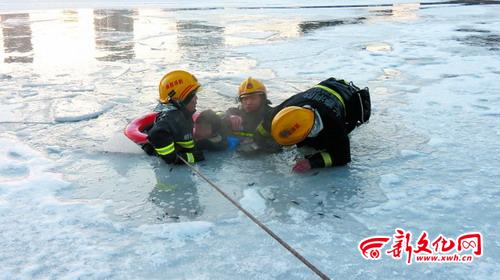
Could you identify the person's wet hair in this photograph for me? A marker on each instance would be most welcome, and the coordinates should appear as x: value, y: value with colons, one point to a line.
x: 209, y: 117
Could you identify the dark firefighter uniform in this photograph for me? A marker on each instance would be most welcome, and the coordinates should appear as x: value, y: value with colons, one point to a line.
x: 341, y: 107
x: 250, y: 120
x: 172, y: 136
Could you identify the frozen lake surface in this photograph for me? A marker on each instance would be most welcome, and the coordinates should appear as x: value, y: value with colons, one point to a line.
x: 80, y: 201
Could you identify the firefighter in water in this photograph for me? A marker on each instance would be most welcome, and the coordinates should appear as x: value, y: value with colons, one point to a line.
x: 321, y: 118
x: 252, y: 95
x: 172, y: 133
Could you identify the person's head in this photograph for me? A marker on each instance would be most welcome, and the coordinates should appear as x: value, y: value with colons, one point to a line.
x: 179, y: 88
x: 252, y: 94
x: 292, y: 125
x: 207, y: 124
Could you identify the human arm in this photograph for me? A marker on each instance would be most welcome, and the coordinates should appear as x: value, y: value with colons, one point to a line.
x: 188, y: 151
x: 333, y: 145
x: 232, y: 117
x: 163, y: 144
x: 161, y: 137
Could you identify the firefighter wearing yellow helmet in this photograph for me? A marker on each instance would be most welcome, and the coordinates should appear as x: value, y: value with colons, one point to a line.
x: 252, y: 96
x: 172, y: 133
x: 321, y: 118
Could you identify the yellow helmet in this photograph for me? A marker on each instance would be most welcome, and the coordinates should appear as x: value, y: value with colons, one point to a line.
x: 177, y: 85
x: 251, y: 86
x: 292, y: 125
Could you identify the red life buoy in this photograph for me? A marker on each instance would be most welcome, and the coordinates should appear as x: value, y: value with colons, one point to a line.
x: 135, y: 129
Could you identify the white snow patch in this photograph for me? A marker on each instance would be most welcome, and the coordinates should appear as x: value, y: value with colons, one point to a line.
x: 45, y: 234
x: 9, y: 112
x: 389, y: 179
x: 378, y: 47
x: 391, y: 73
x: 253, y: 202
x: 297, y: 215
x: 119, y: 143
x: 267, y: 194
x: 69, y: 111
x: 437, y: 141
x: 81, y: 89
x: 409, y: 153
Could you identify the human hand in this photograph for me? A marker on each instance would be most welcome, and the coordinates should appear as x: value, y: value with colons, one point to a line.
x: 302, y: 166
x: 235, y: 122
